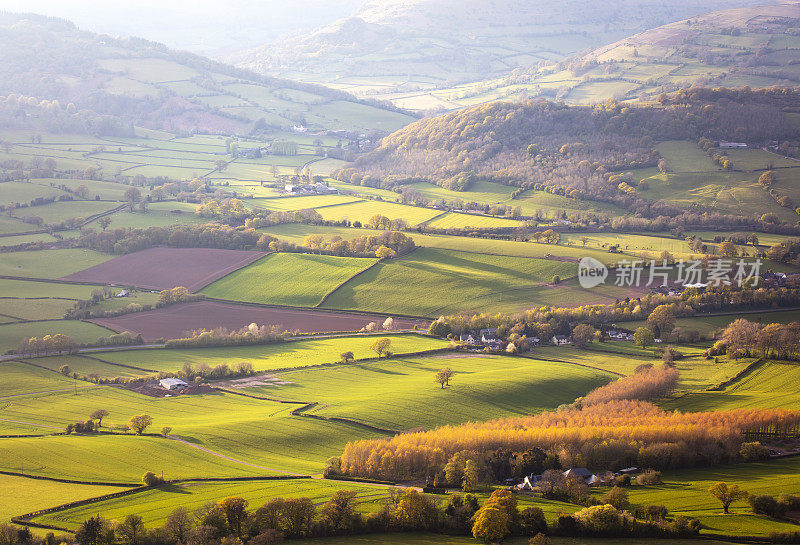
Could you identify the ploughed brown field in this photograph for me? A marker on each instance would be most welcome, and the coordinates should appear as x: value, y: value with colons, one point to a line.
x: 166, y: 268
x: 173, y: 321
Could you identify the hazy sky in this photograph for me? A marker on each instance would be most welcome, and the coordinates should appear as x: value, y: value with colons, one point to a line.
x: 204, y: 26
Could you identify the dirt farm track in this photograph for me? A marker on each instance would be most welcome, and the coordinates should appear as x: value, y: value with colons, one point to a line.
x: 173, y: 321
x: 166, y: 268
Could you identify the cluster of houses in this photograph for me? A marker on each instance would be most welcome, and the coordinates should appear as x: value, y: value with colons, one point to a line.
x: 310, y: 189
x: 487, y: 338
x: 531, y: 482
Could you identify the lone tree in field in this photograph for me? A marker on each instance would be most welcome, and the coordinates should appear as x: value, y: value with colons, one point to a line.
x: 99, y: 415
x: 643, y: 337
x: 727, y: 494
x: 166, y: 430
x: 104, y: 222
x: 140, y: 423
x: 443, y: 376
x: 133, y: 196
x: 347, y: 357
x: 151, y: 479
x: 64, y: 370
x: 382, y: 346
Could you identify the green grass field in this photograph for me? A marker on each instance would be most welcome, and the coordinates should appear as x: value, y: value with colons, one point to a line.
x: 155, y: 505
x: 433, y: 282
x: 23, y: 192
x: 49, y: 263
x: 19, y: 378
x: 19, y: 495
x: 453, y: 220
x: 35, y: 309
x: 273, y: 356
x: 300, y: 203
x: 364, y: 210
x: 769, y: 385
x: 21, y: 289
x: 87, y: 365
x: 82, y: 332
x: 61, y: 211
x: 296, y: 233
x: 686, y: 493
x: 262, y: 436
x: 110, y: 458
x: 399, y: 393
x: 287, y: 279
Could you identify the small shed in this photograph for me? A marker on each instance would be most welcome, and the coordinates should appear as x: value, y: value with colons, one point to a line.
x: 172, y: 384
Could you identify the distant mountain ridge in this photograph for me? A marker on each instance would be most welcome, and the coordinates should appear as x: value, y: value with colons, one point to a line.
x: 391, y: 47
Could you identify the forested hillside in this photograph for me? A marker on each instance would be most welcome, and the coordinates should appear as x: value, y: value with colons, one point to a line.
x: 154, y: 86
x: 575, y: 151
x: 401, y: 50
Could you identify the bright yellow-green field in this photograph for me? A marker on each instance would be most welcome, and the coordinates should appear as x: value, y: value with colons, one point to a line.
x: 453, y: 220
x: 287, y: 279
x: 364, y: 210
x: 272, y: 356
x: 434, y: 282
x: 19, y: 495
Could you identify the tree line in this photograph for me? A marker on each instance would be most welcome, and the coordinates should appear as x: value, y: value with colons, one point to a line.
x: 603, y: 436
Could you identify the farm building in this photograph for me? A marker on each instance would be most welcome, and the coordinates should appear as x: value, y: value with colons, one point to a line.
x: 172, y: 384
x: 732, y: 145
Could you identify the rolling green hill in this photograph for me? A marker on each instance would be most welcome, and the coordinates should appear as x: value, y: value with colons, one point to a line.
x: 157, y: 87
x: 403, y: 50
x: 754, y: 46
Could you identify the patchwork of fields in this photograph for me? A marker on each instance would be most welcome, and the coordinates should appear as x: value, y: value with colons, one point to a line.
x: 302, y: 406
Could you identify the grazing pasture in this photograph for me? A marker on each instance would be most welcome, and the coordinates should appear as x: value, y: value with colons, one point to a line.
x: 18, y: 378
x: 399, y: 393
x: 302, y: 353
x: 296, y: 233
x: 686, y: 493
x: 433, y: 282
x: 19, y: 495
x: 82, y: 332
x: 35, y: 309
x: 21, y: 289
x: 770, y: 385
x: 49, y: 263
x: 300, y: 203
x: 155, y: 505
x: 363, y: 210
x: 453, y: 220
x: 166, y: 268
x: 287, y: 279
x: 88, y: 365
x: 58, y: 212
x: 114, y: 458
x: 224, y: 434
x: 175, y: 320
